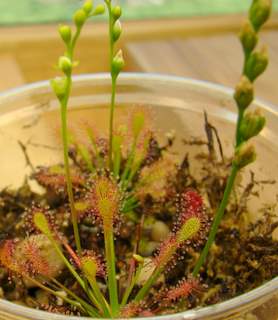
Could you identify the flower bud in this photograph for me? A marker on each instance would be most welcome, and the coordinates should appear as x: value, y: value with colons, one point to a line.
x: 88, y: 6
x: 116, y: 12
x: 65, y: 65
x: 256, y: 64
x: 252, y: 124
x: 65, y: 33
x: 100, y: 9
x: 248, y: 37
x: 259, y: 12
x: 117, y: 64
x: 244, y: 155
x: 244, y: 93
x: 59, y: 87
x: 79, y: 18
x: 117, y: 30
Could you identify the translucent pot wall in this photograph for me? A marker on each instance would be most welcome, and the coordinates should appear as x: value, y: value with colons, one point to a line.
x: 30, y: 115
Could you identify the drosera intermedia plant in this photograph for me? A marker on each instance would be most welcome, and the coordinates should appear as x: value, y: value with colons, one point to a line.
x: 110, y: 188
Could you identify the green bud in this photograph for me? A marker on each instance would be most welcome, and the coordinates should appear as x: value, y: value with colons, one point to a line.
x: 139, y: 259
x: 79, y: 18
x: 59, y: 87
x: 65, y: 65
x: 117, y: 30
x: 244, y: 155
x: 88, y: 6
x: 259, y: 12
x: 257, y: 63
x: 244, y: 93
x: 252, y: 124
x: 116, y: 12
x: 100, y: 9
x: 65, y: 33
x: 248, y: 37
x: 117, y: 64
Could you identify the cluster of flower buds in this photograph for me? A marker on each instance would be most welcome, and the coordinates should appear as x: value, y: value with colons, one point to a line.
x: 66, y: 63
x: 117, y: 62
x: 256, y: 61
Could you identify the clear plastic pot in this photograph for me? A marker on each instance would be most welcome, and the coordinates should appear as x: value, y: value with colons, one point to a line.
x: 30, y: 115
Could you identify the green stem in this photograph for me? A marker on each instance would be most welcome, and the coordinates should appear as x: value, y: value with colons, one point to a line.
x: 217, y: 220
x: 113, y: 84
x: 87, y: 306
x: 148, y: 284
x: 100, y: 298
x: 129, y: 162
x: 57, y: 294
x: 111, y: 121
x: 131, y: 286
x: 64, y: 105
x: 155, y: 275
x: 239, y: 121
x: 66, y: 262
x: 117, y: 162
x: 111, y: 270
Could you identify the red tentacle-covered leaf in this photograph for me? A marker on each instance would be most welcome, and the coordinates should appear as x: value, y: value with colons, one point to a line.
x: 190, y: 228
x: 166, y: 251
x: 7, y: 251
x: 53, y: 178
x: 192, y: 223
x: 35, y: 215
x: 182, y: 290
x: 134, y: 309
x: 30, y: 257
x: 105, y: 200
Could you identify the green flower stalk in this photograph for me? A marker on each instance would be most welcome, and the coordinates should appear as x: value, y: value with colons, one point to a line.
x: 116, y: 61
x: 62, y: 88
x: 248, y: 124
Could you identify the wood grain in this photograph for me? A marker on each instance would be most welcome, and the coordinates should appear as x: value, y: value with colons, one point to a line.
x: 216, y: 58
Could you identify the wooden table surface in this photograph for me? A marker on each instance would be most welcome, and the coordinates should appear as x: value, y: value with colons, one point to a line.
x: 203, y: 48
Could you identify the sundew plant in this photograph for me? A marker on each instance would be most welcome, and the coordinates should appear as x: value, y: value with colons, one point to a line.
x: 105, y: 184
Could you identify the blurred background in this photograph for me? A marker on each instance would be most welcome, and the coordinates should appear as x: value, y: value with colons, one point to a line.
x: 194, y: 38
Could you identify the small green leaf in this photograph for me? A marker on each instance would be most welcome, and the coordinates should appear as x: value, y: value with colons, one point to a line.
x: 40, y: 221
x: 189, y: 229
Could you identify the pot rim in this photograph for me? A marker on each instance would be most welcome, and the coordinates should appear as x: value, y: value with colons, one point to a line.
x: 243, y: 301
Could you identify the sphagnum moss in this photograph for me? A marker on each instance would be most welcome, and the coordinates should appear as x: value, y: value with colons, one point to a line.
x: 110, y: 185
